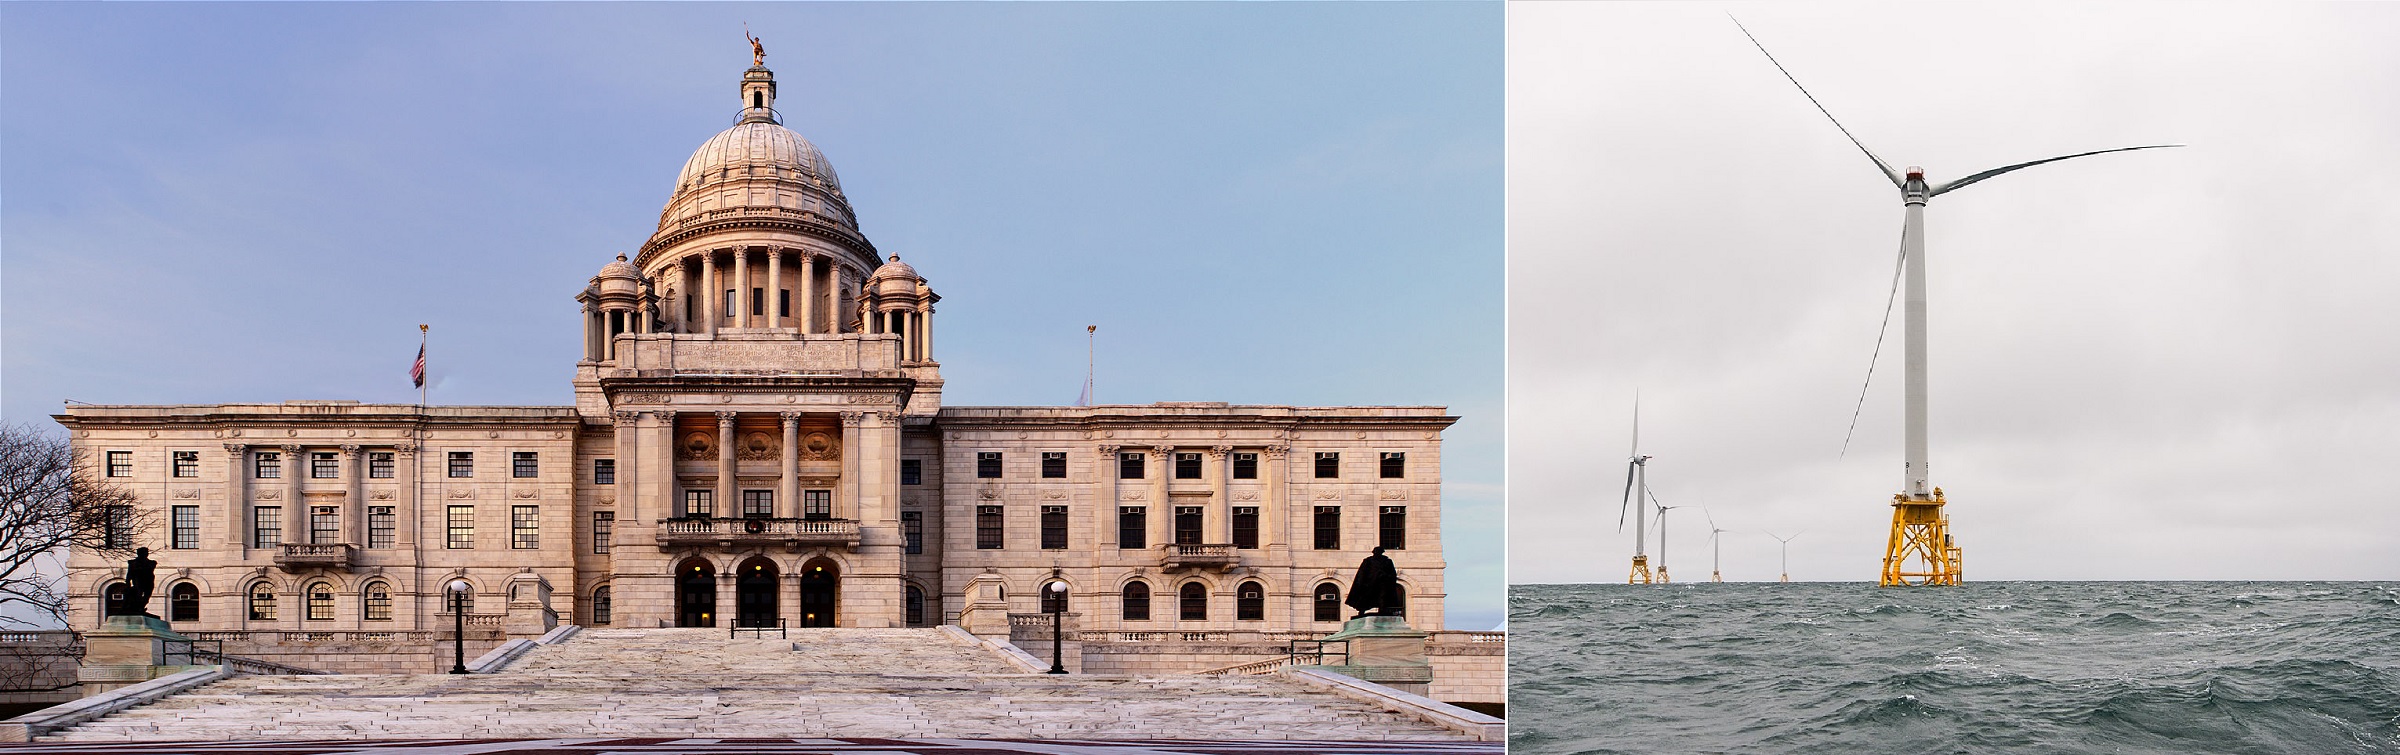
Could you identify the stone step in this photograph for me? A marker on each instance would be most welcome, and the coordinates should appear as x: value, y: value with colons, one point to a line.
x: 700, y: 683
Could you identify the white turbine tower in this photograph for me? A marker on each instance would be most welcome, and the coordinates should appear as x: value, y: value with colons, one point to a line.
x: 1919, y: 551
x: 1787, y: 554
x: 1636, y: 476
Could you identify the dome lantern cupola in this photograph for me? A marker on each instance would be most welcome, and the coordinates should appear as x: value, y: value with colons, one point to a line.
x: 758, y: 96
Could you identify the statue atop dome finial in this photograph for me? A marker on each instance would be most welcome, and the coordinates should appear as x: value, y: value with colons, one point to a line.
x: 758, y: 52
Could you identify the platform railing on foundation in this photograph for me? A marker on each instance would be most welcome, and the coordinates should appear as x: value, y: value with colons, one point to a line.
x: 760, y: 630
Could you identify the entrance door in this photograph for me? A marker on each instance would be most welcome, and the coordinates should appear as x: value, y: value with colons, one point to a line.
x: 695, y: 594
x: 754, y: 594
x: 819, y: 583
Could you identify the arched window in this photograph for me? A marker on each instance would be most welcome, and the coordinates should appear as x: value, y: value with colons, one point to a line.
x: 451, y: 598
x: 916, y: 606
x: 601, y: 607
x: 262, y: 602
x: 1250, y: 602
x: 1194, y: 601
x: 1328, y: 602
x: 320, y: 601
x: 183, y: 602
x: 1137, y: 601
x: 378, y: 603
x: 1053, y: 600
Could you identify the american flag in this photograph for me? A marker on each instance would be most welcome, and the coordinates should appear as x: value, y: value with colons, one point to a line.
x: 416, y: 374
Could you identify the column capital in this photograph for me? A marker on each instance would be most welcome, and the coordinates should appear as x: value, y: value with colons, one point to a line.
x: 852, y: 419
x: 350, y: 449
x: 625, y: 418
x: 293, y: 448
x: 790, y: 419
x: 1109, y: 450
x: 237, y: 449
x: 1163, y: 451
x: 1217, y: 453
x: 725, y: 419
x: 1277, y: 451
x: 405, y: 449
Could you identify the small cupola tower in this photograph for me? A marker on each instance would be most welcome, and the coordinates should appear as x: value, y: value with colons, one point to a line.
x: 758, y: 88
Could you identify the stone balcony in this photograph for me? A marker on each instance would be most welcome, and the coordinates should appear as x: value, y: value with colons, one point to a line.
x: 1188, y: 556
x: 791, y: 533
x: 296, y: 557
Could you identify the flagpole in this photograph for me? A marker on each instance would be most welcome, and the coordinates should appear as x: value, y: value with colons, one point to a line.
x: 424, y: 336
x: 1091, y: 335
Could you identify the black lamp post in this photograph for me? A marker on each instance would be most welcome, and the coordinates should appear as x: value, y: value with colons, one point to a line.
x: 1058, y: 626
x: 458, y: 607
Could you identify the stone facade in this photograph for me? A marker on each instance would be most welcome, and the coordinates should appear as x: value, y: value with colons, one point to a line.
x: 757, y: 437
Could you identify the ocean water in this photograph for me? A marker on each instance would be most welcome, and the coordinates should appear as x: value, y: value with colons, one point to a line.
x: 1991, y: 667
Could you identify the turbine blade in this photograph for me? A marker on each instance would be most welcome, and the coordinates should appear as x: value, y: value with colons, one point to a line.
x: 1964, y: 182
x: 1637, y: 423
x: 1712, y: 518
x: 1628, y: 499
x: 1897, y: 181
x: 1880, y: 331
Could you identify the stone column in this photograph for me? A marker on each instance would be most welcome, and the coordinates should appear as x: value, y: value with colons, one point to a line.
x: 787, y: 487
x: 1220, y: 503
x: 1274, y: 509
x: 845, y: 496
x: 774, y: 287
x: 1162, y: 507
x: 627, y: 493
x: 354, y: 496
x: 925, y: 346
x: 237, y: 495
x: 808, y: 293
x: 741, y: 287
x: 710, y: 299
x: 295, y: 504
x: 727, y: 490
x: 405, y: 472
x: 1106, y: 485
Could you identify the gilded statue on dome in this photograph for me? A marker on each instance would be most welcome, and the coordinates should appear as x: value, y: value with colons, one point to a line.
x: 758, y: 52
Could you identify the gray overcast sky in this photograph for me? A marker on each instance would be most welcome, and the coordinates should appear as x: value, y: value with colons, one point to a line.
x: 1262, y: 203
x: 2169, y: 364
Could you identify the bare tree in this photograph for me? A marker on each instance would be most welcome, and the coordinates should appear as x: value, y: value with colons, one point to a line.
x: 52, y: 501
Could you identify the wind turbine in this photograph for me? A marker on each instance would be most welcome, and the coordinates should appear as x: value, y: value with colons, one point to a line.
x: 1715, y: 551
x: 1919, y: 551
x: 1662, y: 535
x: 1787, y: 554
x: 1636, y: 476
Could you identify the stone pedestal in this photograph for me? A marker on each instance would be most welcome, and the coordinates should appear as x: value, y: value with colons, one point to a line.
x: 1384, y: 650
x: 129, y: 650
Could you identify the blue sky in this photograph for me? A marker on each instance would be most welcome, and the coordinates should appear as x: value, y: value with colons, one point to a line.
x: 1273, y: 203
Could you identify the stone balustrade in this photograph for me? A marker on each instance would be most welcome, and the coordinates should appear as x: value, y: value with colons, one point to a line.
x: 297, y: 557
x: 1210, y: 556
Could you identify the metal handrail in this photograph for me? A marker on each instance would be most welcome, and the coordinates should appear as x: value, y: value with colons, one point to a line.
x: 782, y: 629
x: 189, y: 650
x: 1316, y: 652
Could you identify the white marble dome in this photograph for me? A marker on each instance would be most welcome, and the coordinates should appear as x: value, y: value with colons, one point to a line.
x: 757, y: 149
x: 757, y: 170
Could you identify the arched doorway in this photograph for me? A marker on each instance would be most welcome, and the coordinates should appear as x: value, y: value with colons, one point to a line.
x: 754, y: 585
x: 695, y: 593
x: 820, y: 583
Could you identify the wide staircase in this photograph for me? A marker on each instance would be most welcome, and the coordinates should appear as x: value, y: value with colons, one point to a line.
x: 699, y: 683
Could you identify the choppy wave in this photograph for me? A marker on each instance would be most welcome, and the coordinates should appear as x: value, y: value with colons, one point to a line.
x: 2097, y: 667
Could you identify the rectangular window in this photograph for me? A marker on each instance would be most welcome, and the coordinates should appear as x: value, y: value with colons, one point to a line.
x: 525, y: 464
x: 816, y: 504
x: 187, y: 463
x: 731, y: 306
x: 380, y: 527
x: 462, y: 464
x: 1245, y: 466
x: 324, y: 466
x: 1054, y: 527
x: 783, y: 302
x: 758, y: 504
x: 604, y: 471
x: 186, y: 521
x: 1187, y: 466
x: 1395, y: 465
x: 379, y: 465
x: 1129, y: 465
x: 524, y: 527
x: 987, y: 464
x: 758, y: 301
x: 267, y: 465
x: 1392, y: 526
x: 1245, y: 526
x: 1187, y: 525
x: 1133, y: 528
x: 266, y: 526
x: 1329, y: 528
x: 988, y: 527
x: 1054, y: 464
x: 324, y: 525
x: 119, y: 527
x: 604, y: 530
x: 699, y: 503
x: 1329, y: 465
x: 462, y: 527
x: 120, y: 463
x: 912, y: 530
x: 912, y: 472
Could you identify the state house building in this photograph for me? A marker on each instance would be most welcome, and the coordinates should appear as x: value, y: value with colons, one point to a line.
x: 758, y: 438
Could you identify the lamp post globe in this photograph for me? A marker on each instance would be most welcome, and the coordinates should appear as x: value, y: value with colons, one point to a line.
x: 458, y: 609
x: 1058, y: 608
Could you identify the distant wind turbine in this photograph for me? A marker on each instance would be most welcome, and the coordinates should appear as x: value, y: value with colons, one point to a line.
x: 1636, y: 477
x: 1716, y: 553
x: 1662, y: 535
x: 1787, y: 554
x: 1918, y: 551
